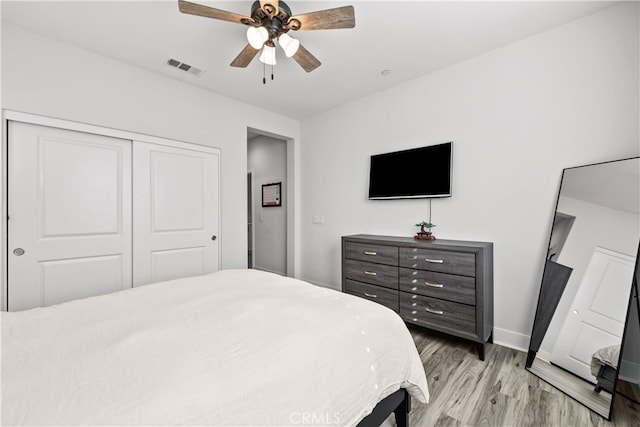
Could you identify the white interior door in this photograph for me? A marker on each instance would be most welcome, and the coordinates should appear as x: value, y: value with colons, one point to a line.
x: 69, y: 204
x: 175, y: 212
x: 597, y: 316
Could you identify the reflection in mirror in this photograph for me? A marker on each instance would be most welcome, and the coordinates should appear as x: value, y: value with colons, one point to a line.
x: 628, y: 385
x: 584, y: 296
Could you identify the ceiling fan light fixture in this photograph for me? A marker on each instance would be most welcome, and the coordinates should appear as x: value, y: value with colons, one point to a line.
x: 288, y: 44
x: 256, y: 36
x: 268, y: 55
x: 269, y: 21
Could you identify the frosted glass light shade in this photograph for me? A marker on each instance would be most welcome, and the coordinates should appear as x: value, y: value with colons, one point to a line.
x: 257, y: 36
x: 289, y: 44
x: 268, y: 55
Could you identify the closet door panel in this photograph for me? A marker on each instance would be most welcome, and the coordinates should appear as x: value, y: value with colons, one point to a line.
x: 66, y: 280
x: 69, y: 203
x: 175, y: 212
x: 175, y: 263
x: 177, y: 191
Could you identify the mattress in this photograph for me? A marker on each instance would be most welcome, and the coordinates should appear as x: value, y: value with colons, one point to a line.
x: 236, y: 347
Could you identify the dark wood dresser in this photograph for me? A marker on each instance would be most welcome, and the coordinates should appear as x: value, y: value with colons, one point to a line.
x: 444, y: 285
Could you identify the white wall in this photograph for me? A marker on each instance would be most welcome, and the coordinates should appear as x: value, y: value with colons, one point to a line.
x: 594, y: 226
x: 50, y: 78
x: 267, y: 159
x: 517, y: 116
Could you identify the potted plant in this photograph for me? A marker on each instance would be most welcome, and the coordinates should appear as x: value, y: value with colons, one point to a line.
x: 425, y: 230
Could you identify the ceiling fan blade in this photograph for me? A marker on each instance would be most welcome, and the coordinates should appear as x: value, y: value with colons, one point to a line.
x: 210, y: 12
x: 270, y: 7
x: 306, y: 60
x: 245, y: 57
x: 329, y: 19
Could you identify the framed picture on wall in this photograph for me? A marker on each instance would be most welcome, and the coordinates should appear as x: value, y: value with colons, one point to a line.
x: 271, y: 194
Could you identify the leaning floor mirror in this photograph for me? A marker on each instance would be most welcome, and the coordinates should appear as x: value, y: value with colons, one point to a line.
x: 586, y: 333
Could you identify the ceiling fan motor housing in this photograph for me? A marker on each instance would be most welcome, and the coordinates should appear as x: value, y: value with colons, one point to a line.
x: 275, y: 23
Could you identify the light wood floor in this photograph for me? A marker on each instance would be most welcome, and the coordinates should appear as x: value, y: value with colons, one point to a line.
x: 497, y: 392
x: 573, y: 386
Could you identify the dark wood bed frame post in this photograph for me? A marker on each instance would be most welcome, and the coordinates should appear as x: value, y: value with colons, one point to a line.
x: 398, y: 403
x: 402, y: 411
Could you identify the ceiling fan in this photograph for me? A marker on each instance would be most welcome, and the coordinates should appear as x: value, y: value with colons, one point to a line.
x: 270, y: 21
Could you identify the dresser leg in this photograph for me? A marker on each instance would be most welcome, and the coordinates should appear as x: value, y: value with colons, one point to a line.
x: 481, y: 347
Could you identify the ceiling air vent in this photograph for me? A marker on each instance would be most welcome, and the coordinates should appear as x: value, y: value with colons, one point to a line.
x: 184, y: 67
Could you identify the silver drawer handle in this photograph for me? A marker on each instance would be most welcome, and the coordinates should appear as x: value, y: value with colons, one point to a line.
x: 370, y: 253
x: 371, y: 295
x: 434, y: 261
x: 370, y: 273
x: 430, y: 310
x: 415, y: 288
x: 434, y: 285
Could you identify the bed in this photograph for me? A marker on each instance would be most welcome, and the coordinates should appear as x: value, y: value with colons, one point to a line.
x: 236, y: 347
x: 604, y: 366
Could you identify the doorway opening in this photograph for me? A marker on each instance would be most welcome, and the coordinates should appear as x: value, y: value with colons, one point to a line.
x: 250, y: 260
x: 268, y: 183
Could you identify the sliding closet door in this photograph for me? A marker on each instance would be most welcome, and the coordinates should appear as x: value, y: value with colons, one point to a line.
x: 175, y: 212
x: 69, y: 203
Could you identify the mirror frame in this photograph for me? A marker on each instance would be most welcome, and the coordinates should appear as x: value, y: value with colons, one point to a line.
x: 551, y: 299
x: 635, y: 286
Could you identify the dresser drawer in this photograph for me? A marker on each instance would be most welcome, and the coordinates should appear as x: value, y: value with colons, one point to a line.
x: 460, y: 263
x: 368, y: 272
x: 437, y: 313
x: 384, y: 296
x: 439, y: 285
x: 372, y: 253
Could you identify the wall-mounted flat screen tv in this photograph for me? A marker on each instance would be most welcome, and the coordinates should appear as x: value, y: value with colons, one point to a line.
x: 416, y: 173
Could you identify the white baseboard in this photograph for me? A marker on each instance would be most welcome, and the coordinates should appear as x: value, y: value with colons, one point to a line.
x: 514, y: 340
x: 544, y: 355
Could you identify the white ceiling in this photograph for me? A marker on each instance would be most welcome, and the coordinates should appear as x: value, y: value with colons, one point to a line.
x: 409, y: 38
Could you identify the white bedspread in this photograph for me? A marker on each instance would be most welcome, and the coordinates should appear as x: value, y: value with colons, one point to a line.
x: 237, y: 347
x: 605, y: 356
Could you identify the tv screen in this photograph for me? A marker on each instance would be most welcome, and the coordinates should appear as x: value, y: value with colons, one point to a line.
x: 417, y: 173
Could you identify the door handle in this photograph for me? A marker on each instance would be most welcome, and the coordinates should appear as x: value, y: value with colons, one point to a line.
x: 18, y: 251
x: 214, y: 237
